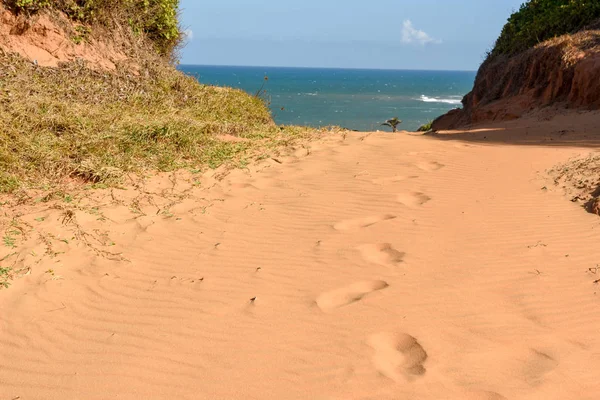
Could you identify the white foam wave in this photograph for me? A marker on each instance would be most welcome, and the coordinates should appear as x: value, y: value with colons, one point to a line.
x: 438, y: 100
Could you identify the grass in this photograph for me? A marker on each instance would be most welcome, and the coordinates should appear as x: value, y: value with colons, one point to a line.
x: 426, y: 127
x: 9, y: 241
x: 75, y: 123
x: 4, y: 277
x: 76, y: 127
x: 540, y: 20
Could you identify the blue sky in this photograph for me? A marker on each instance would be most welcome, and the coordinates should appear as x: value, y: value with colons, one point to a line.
x: 391, y: 34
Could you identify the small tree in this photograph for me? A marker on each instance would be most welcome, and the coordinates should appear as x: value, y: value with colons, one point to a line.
x: 393, y: 123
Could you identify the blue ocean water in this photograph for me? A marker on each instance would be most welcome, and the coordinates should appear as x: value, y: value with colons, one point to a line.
x: 352, y: 98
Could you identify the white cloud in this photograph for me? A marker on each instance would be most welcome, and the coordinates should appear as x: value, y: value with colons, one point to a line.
x: 188, y: 34
x: 411, y: 35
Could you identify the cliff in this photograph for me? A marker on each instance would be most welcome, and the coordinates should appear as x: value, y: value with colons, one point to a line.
x: 562, y: 71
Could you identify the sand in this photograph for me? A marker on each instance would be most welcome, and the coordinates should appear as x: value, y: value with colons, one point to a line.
x: 371, y: 266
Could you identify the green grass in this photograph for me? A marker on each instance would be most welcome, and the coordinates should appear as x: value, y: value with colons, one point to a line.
x: 73, y: 122
x: 540, y: 20
x: 426, y: 127
x: 9, y: 241
x: 4, y: 277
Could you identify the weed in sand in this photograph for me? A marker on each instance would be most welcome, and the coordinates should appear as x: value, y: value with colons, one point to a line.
x: 4, y: 277
x: 9, y: 241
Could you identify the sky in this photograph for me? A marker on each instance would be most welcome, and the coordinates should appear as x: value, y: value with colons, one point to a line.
x: 383, y: 34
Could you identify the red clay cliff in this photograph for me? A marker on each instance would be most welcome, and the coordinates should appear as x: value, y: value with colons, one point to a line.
x: 563, y: 72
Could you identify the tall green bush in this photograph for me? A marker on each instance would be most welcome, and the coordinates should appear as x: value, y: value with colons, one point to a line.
x: 540, y: 20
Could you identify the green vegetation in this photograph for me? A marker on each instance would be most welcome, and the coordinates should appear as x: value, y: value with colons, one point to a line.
x: 9, y: 240
x: 156, y: 19
x: 426, y: 127
x: 540, y: 20
x: 392, y: 123
x: 77, y: 123
x: 73, y: 122
x: 4, y: 277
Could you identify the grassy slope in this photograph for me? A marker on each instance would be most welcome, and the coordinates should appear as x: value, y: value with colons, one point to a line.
x: 73, y: 122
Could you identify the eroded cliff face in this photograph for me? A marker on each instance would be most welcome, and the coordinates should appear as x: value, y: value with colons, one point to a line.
x: 561, y: 72
x: 50, y: 38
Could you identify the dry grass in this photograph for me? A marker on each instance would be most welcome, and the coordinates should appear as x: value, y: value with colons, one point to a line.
x: 73, y: 122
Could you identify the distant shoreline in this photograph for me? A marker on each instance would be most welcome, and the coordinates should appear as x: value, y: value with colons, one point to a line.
x: 324, y: 68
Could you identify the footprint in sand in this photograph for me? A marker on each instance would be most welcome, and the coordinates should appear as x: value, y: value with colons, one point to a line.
x: 337, y: 298
x: 398, y: 356
x: 414, y: 199
x: 361, y: 222
x: 241, y: 185
x: 463, y: 146
x: 483, y: 395
x: 393, y: 179
x: 538, y: 365
x: 429, y: 166
x: 381, y: 254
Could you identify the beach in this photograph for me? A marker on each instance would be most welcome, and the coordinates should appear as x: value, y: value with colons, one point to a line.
x: 364, y: 265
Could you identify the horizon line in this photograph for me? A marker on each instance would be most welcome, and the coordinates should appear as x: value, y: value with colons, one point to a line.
x: 337, y: 68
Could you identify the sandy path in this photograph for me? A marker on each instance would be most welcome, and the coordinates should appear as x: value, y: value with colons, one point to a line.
x: 380, y: 267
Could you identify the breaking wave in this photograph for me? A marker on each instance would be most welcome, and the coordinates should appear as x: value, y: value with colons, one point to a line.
x: 438, y: 100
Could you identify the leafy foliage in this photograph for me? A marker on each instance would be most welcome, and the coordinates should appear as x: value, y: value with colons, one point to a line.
x: 392, y: 123
x: 540, y: 20
x: 426, y: 127
x: 29, y: 5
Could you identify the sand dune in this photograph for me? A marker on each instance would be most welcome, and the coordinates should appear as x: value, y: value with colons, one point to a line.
x: 379, y: 266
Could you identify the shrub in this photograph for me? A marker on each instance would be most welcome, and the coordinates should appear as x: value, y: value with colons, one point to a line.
x: 540, y: 20
x: 28, y: 6
x: 426, y: 127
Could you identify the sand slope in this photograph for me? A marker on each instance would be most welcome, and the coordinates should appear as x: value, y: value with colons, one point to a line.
x: 374, y: 266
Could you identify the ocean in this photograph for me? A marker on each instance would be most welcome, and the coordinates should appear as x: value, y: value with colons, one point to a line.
x: 352, y: 98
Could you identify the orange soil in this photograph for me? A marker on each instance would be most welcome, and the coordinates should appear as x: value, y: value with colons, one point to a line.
x: 43, y: 40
